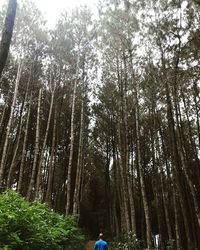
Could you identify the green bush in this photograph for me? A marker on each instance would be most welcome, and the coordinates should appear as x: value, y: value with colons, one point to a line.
x: 127, y: 241
x: 25, y: 225
x: 170, y: 245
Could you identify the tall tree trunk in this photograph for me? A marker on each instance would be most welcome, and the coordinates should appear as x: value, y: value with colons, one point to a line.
x: 192, y: 140
x: 197, y: 109
x: 132, y: 205
x: 176, y: 161
x: 141, y: 177
x: 69, y: 170
x: 33, y: 172
x: 51, y: 163
x: 5, y: 118
x: 126, y: 224
x: 21, y: 168
x: 116, y: 179
x: 167, y: 217
x: 123, y: 146
x: 181, y: 154
x: 76, y: 201
x: 192, y: 189
x: 130, y: 198
x: 18, y: 136
x: 7, y: 33
x: 124, y: 219
x: 4, y: 112
x: 39, y: 172
x: 3, y: 163
x: 184, y: 161
x: 165, y: 187
x: 174, y: 144
x: 13, y: 162
x: 177, y: 227
x: 139, y: 162
x: 155, y: 179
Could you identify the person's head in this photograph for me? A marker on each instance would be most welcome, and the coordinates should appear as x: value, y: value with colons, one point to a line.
x: 101, y: 236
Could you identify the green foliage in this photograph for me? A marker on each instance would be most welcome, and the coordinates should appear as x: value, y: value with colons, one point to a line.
x: 170, y: 245
x: 25, y: 225
x: 128, y: 241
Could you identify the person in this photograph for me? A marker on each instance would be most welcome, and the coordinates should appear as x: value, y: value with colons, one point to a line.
x: 101, y: 244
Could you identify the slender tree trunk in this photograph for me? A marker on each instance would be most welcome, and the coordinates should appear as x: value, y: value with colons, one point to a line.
x: 107, y: 183
x: 123, y: 146
x: 76, y: 202
x: 130, y: 198
x: 177, y: 228
x: 192, y: 142
x: 184, y: 162
x: 13, y: 163
x: 45, y: 171
x: 21, y: 168
x: 116, y: 179
x: 3, y: 163
x: 18, y: 136
x: 3, y: 113
x: 51, y: 164
x: 167, y: 217
x: 33, y: 173
x: 126, y: 225
x: 142, y: 183
x: 5, y: 119
x: 180, y: 152
x: 124, y: 220
x: 132, y: 192
x: 174, y: 147
x: 192, y: 189
x: 139, y: 162
x: 176, y: 161
x: 69, y: 171
x: 7, y: 33
x: 197, y: 109
x: 164, y: 187
x: 39, y: 173
x: 155, y: 179
x: 132, y: 206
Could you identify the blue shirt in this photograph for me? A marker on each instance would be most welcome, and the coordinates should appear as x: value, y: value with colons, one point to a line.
x: 100, y: 245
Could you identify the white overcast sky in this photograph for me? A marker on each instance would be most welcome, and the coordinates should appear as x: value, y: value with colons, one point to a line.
x: 52, y: 8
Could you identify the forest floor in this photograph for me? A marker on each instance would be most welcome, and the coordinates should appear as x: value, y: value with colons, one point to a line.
x: 89, y: 245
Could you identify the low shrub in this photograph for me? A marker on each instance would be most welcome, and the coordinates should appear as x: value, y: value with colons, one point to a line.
x: 127, y: 241
x: 32, y: 226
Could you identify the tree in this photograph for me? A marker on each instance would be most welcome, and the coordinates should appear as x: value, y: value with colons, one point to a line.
x: 7, y: 33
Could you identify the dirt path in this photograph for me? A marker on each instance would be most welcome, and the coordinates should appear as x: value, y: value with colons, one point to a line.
x: 90, y: 245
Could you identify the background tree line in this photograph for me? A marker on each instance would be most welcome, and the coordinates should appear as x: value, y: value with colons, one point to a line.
x: 100, y: 117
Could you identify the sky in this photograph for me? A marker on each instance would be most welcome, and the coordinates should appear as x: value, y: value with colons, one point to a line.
x: 52, y: 8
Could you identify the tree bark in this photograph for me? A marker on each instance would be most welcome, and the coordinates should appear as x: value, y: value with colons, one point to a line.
x: 139, y: 162
x: 76, y: 201
x: 21, y: 168
x: 197, y: 109
x: 142, y: 183
x: 39, y: 172
x: 51, y: 163
x: 33, y: 173
x: 123, y: 146
x: 7, y: 33
x: 13, y: 163
x: 69, y: 170
x: 2, y: 164
x: 18, y: 136
x: 177, y: 228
